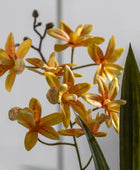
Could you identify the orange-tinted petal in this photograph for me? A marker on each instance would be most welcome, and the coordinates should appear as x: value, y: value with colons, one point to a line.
x: 3, y: 69
x: 65, y: 27
x: 48, y: 132
x: 25, y: 117
x: 52, y: 119
x: 52, y: 61
x: 79, y: 107
x: 102, y: 87
x: 71, y: 132
x: 79, y: 29
x: 68, y: 77
x: 3, y: 55
x: 66, y: 114
x: 30, y: 140
x: 58, y: 33
x: 111, y: 47
x: 10, y: 46
x: 52, y: 79
x: 86, y: 29
x: 35, y: 106
x: 93, y: 99
x: 100, y: 134
x: 95, y: 53
x: 115, y: 121
x: 36, y: 62
x: 113, y: 89
x: 115, y: 55
x: 10, y: 80
x: 60, y: 47
x: 80, y: 88
x: 24, y: 48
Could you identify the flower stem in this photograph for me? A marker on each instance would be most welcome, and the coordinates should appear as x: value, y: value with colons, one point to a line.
x: 87, y: 65
x: 87, y: 163
x: 77, y: 150
x: 72, y: 54
x: 57, y: 143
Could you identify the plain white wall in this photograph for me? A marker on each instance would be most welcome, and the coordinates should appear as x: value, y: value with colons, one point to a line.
x: 120, y: 18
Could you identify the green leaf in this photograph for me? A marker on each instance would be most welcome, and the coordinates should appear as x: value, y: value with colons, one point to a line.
x: 98, y: 157
x: 130, y: 116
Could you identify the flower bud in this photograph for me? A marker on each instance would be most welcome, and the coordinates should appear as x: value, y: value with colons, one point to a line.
x: 35, y: 13
x: 49, y: 25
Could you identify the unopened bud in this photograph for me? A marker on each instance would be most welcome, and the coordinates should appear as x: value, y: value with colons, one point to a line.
x: 25, y: 38
x: 35, y: 13
x: 49, y: 25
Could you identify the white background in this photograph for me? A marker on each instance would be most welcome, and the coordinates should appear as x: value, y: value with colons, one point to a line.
x: 121, y: 18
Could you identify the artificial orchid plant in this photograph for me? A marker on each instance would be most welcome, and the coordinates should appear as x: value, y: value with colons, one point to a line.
x: 71, y: 97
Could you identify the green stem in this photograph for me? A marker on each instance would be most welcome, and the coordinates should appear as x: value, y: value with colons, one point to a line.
x: 77, y: 150
x: 57, y: 143
x: 87, y: 65
x: 72, y: 54
x: 87, y: 163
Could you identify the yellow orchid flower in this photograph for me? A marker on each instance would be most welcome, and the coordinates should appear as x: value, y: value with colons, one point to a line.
x: 67, y: 93
x: 92, y: 124
x: 107, y: 68
x: 106, y: 101
x: 30, y: 117
x: 51, y: 66
x: 13, y: 61
x: 78, y: 38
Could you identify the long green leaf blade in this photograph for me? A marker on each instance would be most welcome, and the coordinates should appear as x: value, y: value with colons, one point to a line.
x: 98, y: 157
x: 130, y: 116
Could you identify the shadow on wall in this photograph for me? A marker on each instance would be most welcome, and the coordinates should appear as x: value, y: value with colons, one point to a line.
x: 29, y: 167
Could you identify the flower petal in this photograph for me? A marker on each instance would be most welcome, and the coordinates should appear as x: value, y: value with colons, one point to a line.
x: 102, y: 87
x: 35, y: 106
x: 93, y: 99
x: 24, y: 48
x: 48, y: 132
x: 100, y: 134
x: 52, y: 119
x: 58, y: 33
x: 95, y: 53
x: 115, y: 105
x: 30, y: 140
x: 10, y: 80
x: 10, y: 46
x: 66, y: 114
x: 113, y: 89
x: 53, y: 95
x: 79, y: 29
x: 115, y: 121
x: 79, y: 107
x: 52, y: 61
x: 111, y: 47
x: 115, y: 55
x: 71, y: 132
x: 60, y: 47
x: 68, y: 77
x: 36, y: 62
x: 25, y: 117
x: 3, y: 69
x: 80, y: 88
x: 65, y: 27
x: 52, y: 79
x: 86, y: 29
x: 3, y: 55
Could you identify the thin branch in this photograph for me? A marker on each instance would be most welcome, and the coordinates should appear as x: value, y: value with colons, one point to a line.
x: 57, y: 143
x: 96, y: 108
x: 87, y: 163
x: 77, y: 150
x: 87, y: 65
